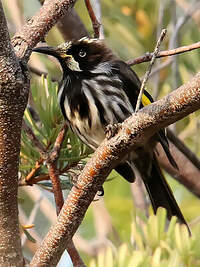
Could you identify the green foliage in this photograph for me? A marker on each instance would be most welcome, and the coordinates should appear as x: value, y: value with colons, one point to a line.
x: 153, y: 245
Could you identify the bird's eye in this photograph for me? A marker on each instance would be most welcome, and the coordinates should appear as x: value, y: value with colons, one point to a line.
x: 82, y: 53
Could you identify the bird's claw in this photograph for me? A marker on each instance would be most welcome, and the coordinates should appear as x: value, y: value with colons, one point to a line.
x: 112, y: 130
x: 100, y: 193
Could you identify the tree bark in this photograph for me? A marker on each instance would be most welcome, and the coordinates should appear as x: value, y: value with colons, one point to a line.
x: 13, y: 99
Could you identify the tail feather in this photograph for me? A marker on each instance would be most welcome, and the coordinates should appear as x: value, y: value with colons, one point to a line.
x: 160, y: 193
x: 125, y: 169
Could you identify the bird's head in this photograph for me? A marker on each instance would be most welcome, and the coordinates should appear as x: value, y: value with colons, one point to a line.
x: 81, y: 55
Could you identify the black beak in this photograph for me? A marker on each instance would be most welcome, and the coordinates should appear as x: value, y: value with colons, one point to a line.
x: 52, y: 51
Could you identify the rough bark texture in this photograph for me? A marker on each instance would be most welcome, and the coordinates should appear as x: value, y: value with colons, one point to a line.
x: 13, y: 98
x: 135, y: 131
x: 36, y: 28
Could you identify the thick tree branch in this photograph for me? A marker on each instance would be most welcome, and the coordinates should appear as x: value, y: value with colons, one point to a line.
x: 13, y: 96
x: 35, y: 30
x: 135, y: 131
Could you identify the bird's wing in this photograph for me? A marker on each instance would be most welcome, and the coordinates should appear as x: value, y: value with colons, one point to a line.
x: 131, y: 87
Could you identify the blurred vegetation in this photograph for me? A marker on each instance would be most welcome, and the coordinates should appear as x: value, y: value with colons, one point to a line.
x: 130, y: 28
x: 154, y: 244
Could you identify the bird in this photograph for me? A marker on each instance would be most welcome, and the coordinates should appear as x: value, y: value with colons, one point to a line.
x: 99, y: 89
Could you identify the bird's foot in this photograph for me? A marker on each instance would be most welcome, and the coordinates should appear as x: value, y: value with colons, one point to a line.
x: 112, y: 130
x: 100, y: 193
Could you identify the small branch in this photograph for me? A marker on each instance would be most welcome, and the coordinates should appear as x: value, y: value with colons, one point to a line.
x: 155, y: 53
x: 96, y: 4
x: 53, y: 171
x: 28, y: 179
x: 33, y: 179
x: 96, y: 25
x: 54, y: 176
x: 74, y: 255
x: 148, y: 56
x: 58, y: 143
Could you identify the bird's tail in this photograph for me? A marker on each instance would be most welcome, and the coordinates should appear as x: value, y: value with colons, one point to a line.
x: 160, y: 193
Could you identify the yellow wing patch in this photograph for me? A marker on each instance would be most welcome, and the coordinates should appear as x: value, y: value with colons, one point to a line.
x: 145, y: 100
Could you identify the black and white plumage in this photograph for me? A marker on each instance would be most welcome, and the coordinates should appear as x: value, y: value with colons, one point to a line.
x: 98, y: 89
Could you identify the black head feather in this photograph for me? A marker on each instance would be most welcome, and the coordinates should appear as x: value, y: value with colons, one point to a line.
x: 89, y: 53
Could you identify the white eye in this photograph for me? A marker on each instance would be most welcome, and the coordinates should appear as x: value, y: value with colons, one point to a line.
x: 82, y: 53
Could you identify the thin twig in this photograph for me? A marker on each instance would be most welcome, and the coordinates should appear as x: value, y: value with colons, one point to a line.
x: 175, y: 51
x: 96, y: 4
x: 155, y: 53
x: 34, y: 179
x: 148, y: 56
x: 96, y: 25
x: 28, y: 179
x: 57, y: 191
x: 53, y: 156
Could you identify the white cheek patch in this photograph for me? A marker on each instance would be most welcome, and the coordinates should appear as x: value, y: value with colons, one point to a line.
x: 73, y: 64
